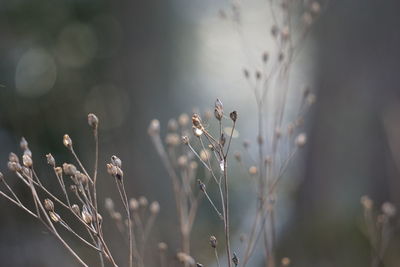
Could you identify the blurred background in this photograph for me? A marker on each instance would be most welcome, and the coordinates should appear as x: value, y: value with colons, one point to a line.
x: 132, y: 61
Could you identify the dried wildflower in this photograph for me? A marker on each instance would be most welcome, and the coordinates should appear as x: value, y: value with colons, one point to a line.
x: 301, y: 140
x: 204, y: 155
x: 183, y: 119
x: 69, y: 169
x: 116, y: 161
x: 213, y: 241
x: 388, y: 209
x: 13, y: 166
x: 27, y: 161
x: 162, y: 246
x: 50, y: 160
x: 233, y: 115
x: 87, y: 218
x: 185, y: 259
x: 26, y: 171
x: 154, y: 128
x: 28, y: 152
x: 111, y: 169
x: 12, y: 157
x: 58, y: 170
x: 218, y: 110
x: 133, y: 204
x: 154, y: 207
x: 197, y: 132
x: 67, y: 141
x: 73, y: 188
x: 143, y: 202
x: 54, y: 216
x: 172, y: 139
x: 48, y: 204
x: 253, y: 170
x: 366, y: 202
x: 23, y: 144
x: 93, y: 121
x: 235, y: 259
x: 185, y: 140
x: 75, y: 209
x: 82, y: 178
x: 116, y: 216
x: 196, y: 121
x: 285, y: 262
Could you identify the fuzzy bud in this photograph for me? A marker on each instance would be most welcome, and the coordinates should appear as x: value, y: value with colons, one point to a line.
x: 154, y: 128
x: 75, y: 209
x: 196, y: 121
x: 133, y: 204
x: 143, y: 202
x: 50, y: 160
x: 23, y: 144
x: 116, y: 161
x: 388, y: 209
x: 213, y: 241
x: 185, y: 140
x: 87, y: 218
x: 54, y: 217
x: 12, y: 157
x: 183, y: 119
x: 233, y: 115
x: 58, y: 171
x: 301, y: 140
x: 285, y: 262
x: 27, y: 161
x: 218, y: 110
x: 162, y: 246
x: 93, y: 121
x: 48, y: 204
x: 154, y: 207
x: 67, y: 141
x: 69, y: 169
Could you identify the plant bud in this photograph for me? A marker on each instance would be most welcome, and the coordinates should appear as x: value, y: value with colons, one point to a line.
x: 185, y: 140
x: 388, y: 209
x: 27, y: 161
x: 154, y: 207
x: 172, y: 139
x: 13, y: 166
x: 58, y: 171
x: 154, y: 128
x: 67, y: 141
x: 93, y: 121
x: 301, y: 140
x: 197, y: 131
x: 233, y: 115
x: 172, y: 125
x: 196, y: 120
x: 12, y: 157
x: 183, y: 119
x: 50, y: 160
x: 111, y: 169
x: 162, y: 246
x: 87, y: 218
x: 218, y: 110
x: 285, y: 262
x: 75, y: 209
x: 109, y: 204
x: 143, y: 202
x: 116, y: 161
x: 54, y: 217
x: 235, y: 259
x: 133, y: 204
x: 48, y: 204
x: 69, y: 169
x: 213, y: 241
x: 253, y: 170
x: 23, y: 144
x: 28, y: 152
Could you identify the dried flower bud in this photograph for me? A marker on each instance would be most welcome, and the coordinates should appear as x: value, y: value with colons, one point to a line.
x: 253, y: 170
x: 54, y: 217
x: 75, y: 209
x: 143, y: 202
x: 117, y: 216
x: 23, y: 144
x: 93, y: 121
x: 233, y: 115
x: 301, y: 140
x: 204, y: 155
x: 172, y: 139
x: 172, y: 125
x: 116, y: 161
x: 235, y: 259
x: 154, y: 207
x: 388, y: 209
x: 154, y: 128
x: 285, y: 262
x: 162, y: 246
x: 27, y: 161
x: 48, y: 204
x: 186, y: 259
x: 213, y: 241
x: 183, y: 119
x: 87, y: 218
x: 67, y: 141
x: 82, y: 178
x: 202, y: 186
x: 58, y: 171
x: 182, y: 161
x: 12, y: 157
x: 111, y: 169
x: 196, y: 120
x: 69, y: 169
x: 133, y: 204
x: 366, y: 202
x: 218, y: 110
x: 73, y: 188
x: 197, y: 132
x: 109, y: 204
x: 50, y: 160
x: 185, y: 140
x: 28, y: 152
x: 13, y: 166
x: 99, y: 218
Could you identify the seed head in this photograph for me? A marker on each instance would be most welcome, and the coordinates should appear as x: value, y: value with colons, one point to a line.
x: 48, y: 204
x: 301, y: 140
x: 213, y: 241
x: 23, y: 144
x: 154, y: 207
x: 12, y: 157
x: 196, y: 121
x: 233, y: 115
x: 143, y: 202
x: 366, y: 202
x: 388, y: 209
x: 69, y: 169
x: 111, y: 169
x: 183, y: 119
x: 93, y: 121
x: 116, y: 161
x: 172, y: 139
x: 218, y: 110
x: 50, y: 160
x: 27, y: 161
x: 87, y: 218
x: 285, y: 262
x: 202, y: 186
x: 133, y: 204
x: 67, y: 141
x: 13, y: 166
x: 204, y: 155
x: 154, y: 128
x: 75, y: 209
x: 173, y: 125
x: 197, y: 131
x: 253, y: 170
x: 58, y: 171
x: 235, y: 259
x: 162, y: 246
x: 28, y: 152
x: 54, y: 216
x: 185, y: 140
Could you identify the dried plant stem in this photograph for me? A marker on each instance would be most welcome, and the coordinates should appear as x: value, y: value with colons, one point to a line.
x: 226, y: 214
x: 216, y: 257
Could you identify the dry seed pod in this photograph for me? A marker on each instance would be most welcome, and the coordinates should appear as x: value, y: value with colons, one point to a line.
x: 143, y: 202
x: 67, y: 141
x: 48, y: 204
x: 27, y: 161
x: 185, y: 140
x: 218, y: 110
x: 54, y: 216
x: 285, y: 261
x: 87, y: 218
x: 75, y: 209
x: 183, y: 119
x: 50, y: 160
x: 233, y: 115
x: 196, y: 121
x: 253, y: 170
x: 58, y: 171
x: 69, y: 169
x: 12, y: 157
x: 388, y: 209
x: 93, y: 121
x: 23, y: 144
x: 28, y: 152
x: 197, y: 131
x: 154, y: 207
x: 111, y: 169
x: 301, y: 140
x: 13, y: 166
x: 213, y: 241
x: 154, y: 128
x: 116, y: 161
x: 109, y: 204
x: 162, y: 246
